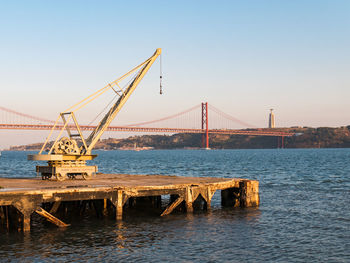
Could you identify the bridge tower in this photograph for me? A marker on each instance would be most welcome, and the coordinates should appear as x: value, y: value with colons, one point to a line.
x: 205, y: 125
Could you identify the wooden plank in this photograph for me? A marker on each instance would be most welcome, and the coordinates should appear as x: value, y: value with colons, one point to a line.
x: 172, y: 206
x: 135, y: 192
x: 50, y: 217
x: 137, y: 183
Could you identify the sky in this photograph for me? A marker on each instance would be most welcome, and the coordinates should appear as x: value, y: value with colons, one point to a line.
x: 244, y: 57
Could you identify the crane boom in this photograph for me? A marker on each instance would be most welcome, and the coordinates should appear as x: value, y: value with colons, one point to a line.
x: 105, y: 122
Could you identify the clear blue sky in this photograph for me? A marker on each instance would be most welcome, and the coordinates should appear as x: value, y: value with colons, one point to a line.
x: 244, y: 57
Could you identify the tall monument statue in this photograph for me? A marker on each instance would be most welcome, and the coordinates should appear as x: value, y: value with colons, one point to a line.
x: 271, y: 119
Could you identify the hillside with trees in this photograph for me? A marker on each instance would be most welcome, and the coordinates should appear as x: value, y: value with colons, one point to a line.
x: 323, y: 137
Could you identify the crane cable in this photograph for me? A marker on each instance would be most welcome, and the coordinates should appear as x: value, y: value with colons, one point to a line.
x: 160, y: 75
x: 116, y: 96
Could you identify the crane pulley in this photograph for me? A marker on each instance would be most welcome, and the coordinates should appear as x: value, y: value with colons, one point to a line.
x: 68, y: 155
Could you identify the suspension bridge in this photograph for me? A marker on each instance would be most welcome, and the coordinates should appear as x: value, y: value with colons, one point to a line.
x: 202, y: 119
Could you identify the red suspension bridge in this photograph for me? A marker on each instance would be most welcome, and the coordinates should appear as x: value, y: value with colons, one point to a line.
x: 202, y: 119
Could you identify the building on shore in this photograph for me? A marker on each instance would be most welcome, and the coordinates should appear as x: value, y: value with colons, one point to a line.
x: 271, y: 119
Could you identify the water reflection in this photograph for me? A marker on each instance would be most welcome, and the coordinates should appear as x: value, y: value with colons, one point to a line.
x: 119, y: 234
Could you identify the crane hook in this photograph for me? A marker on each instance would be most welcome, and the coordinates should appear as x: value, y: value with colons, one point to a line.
x: 160, y: 76
x: 160, y: 86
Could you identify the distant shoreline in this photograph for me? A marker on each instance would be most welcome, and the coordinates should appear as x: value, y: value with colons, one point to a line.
x: 199, y: 149
x: 322, y: 137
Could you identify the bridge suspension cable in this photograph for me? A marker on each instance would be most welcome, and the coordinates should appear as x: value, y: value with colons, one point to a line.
x: 25, y: 115
x: 164, y: 118
x: 229, y: 117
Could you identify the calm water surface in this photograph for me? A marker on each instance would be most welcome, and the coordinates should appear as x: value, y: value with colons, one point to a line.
x: 304, y: 214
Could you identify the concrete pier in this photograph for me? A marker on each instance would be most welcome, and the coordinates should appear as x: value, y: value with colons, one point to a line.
x: 21, y: 198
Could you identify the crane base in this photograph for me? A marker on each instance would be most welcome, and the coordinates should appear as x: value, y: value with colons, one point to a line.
x: 61, y: 173
x: 61, y: 157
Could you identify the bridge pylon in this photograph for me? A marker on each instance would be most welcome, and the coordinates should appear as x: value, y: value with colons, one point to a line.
x: 205, y: 125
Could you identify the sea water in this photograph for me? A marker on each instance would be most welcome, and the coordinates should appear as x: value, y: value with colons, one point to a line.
x: 304, y: 215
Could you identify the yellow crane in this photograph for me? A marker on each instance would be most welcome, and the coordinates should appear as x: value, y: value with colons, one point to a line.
x: 68, y: 155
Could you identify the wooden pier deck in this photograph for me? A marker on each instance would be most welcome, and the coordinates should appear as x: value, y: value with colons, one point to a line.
x: 44, y: 197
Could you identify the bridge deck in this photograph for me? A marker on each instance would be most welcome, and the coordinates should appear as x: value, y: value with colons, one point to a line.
x: 251, y: 132
x: 32, y: 195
